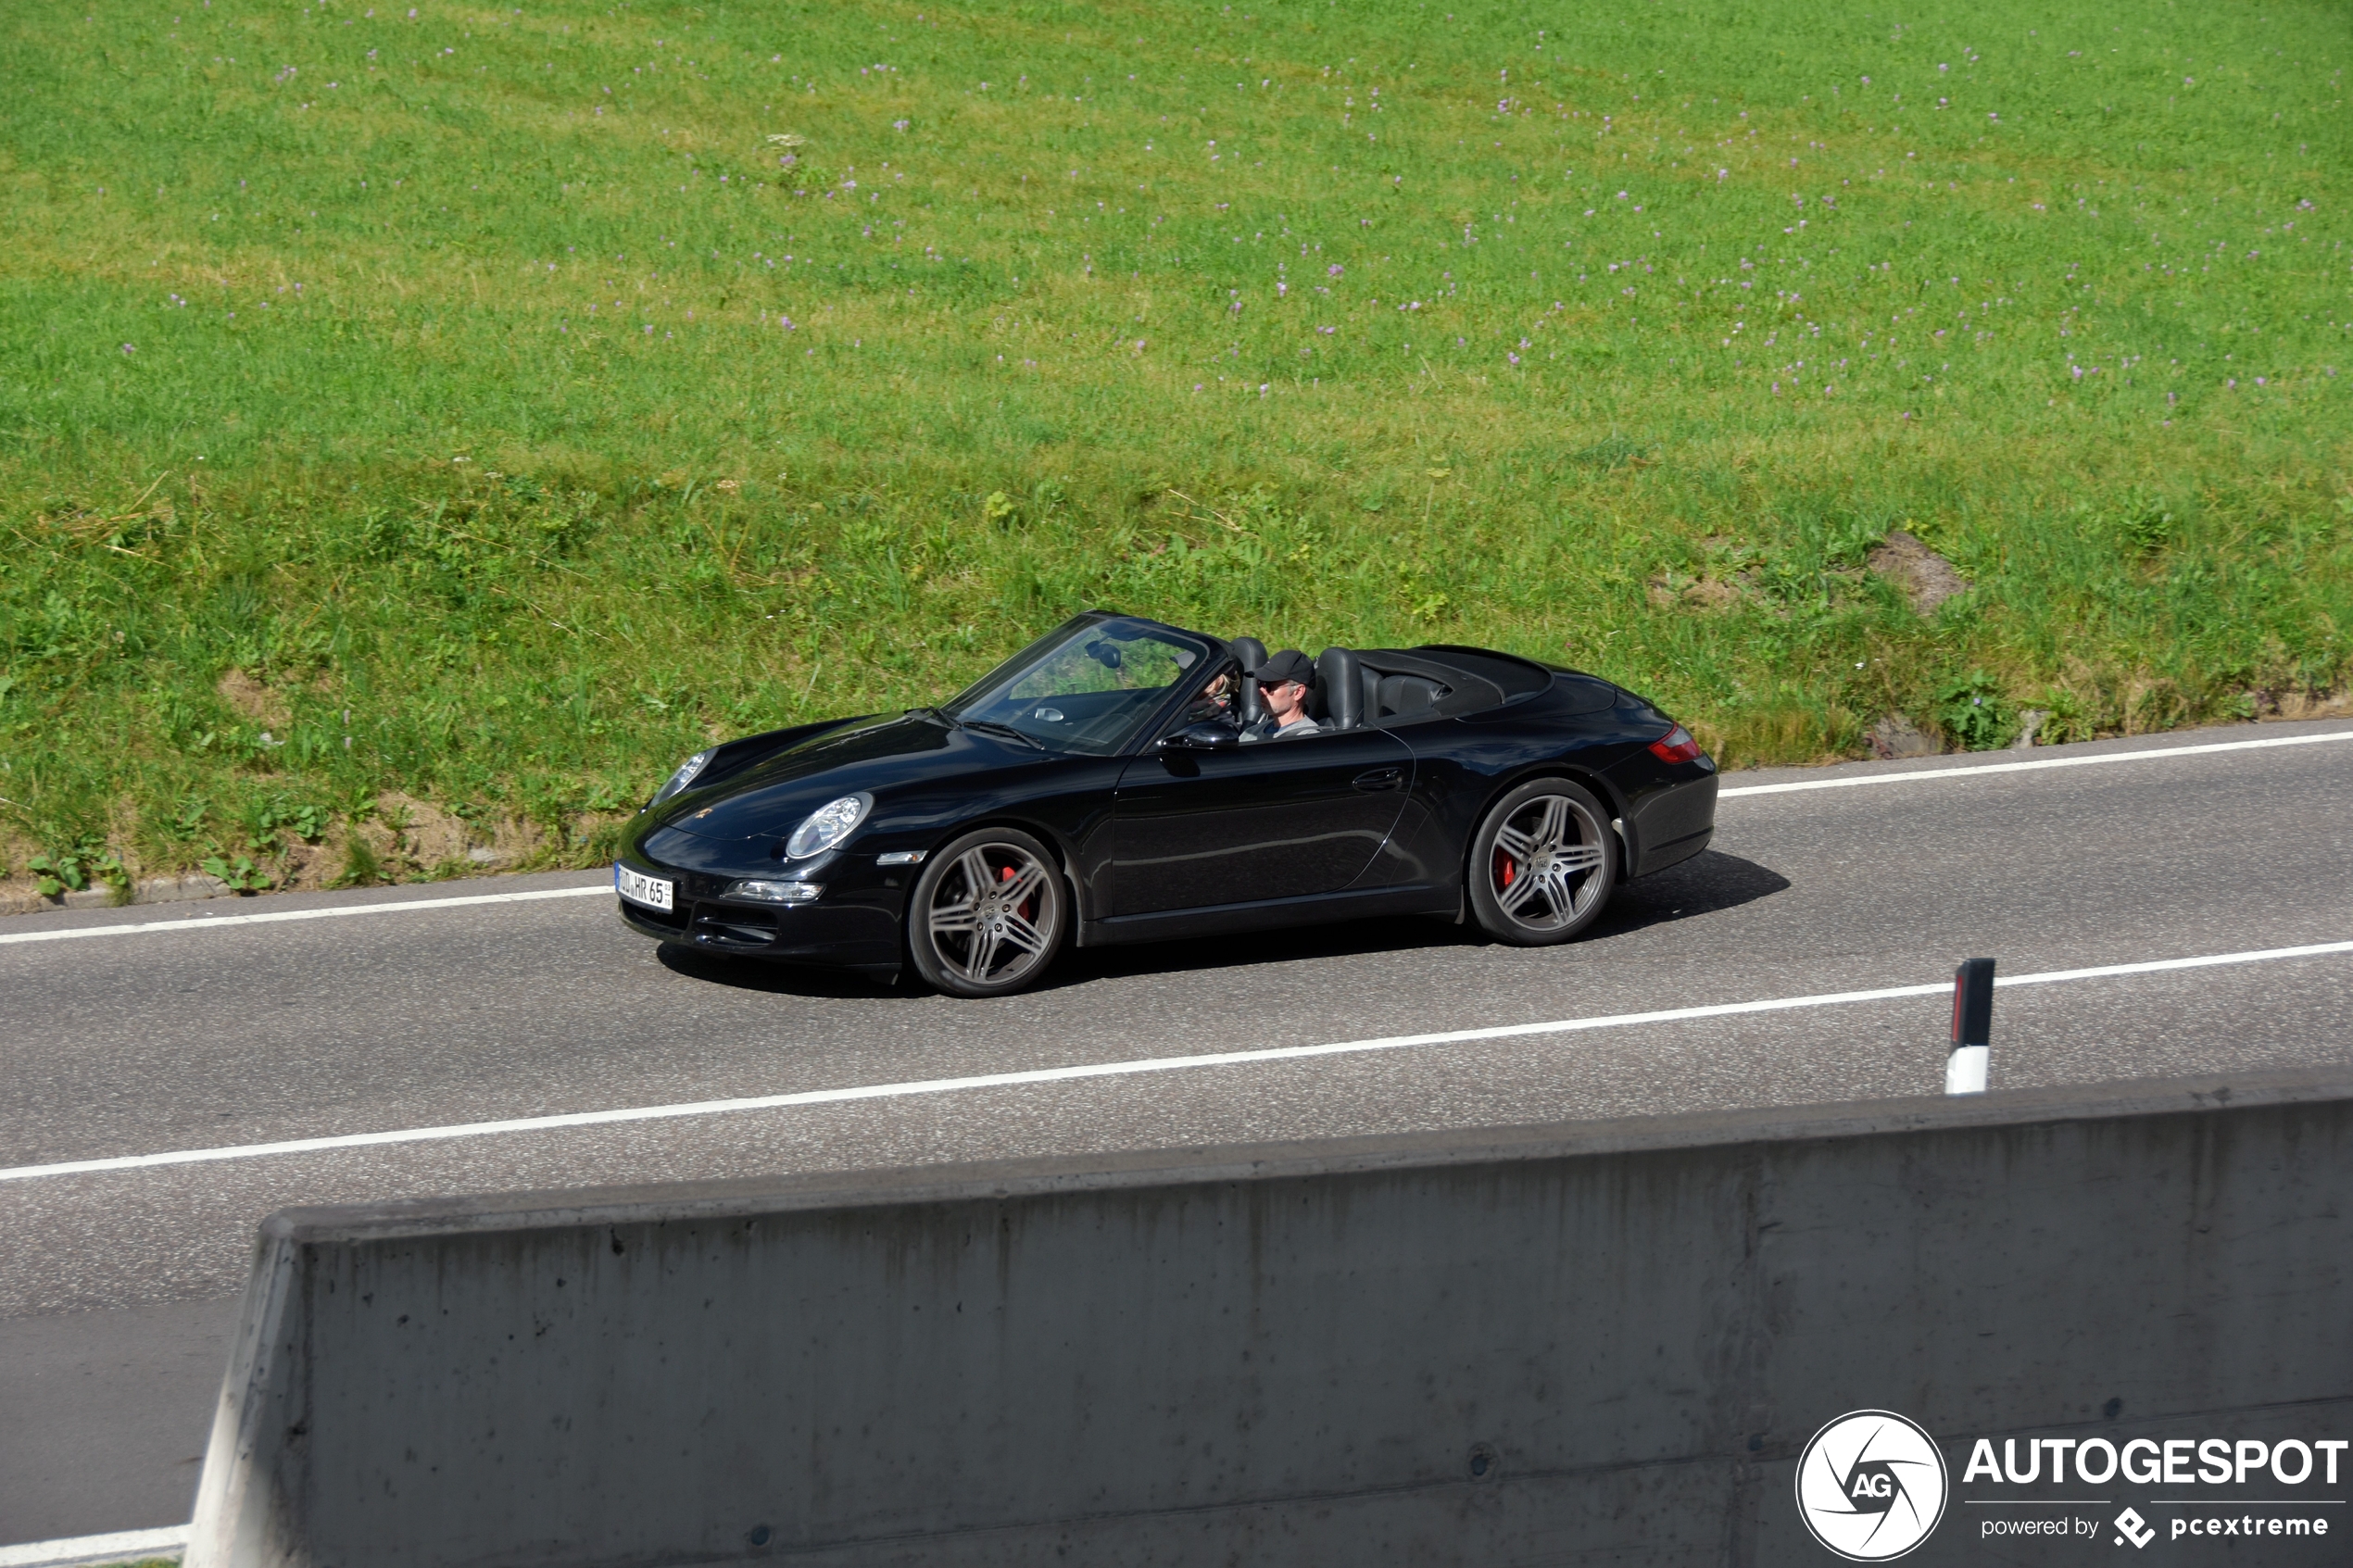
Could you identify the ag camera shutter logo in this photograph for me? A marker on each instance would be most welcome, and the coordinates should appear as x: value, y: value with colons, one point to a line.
x: 1871, y: 1486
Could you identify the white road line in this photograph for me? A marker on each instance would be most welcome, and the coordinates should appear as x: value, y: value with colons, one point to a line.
x: 123, y: 1546
x: 332, y: 912
x: 2102, y: 759
x: 1113, y: 1069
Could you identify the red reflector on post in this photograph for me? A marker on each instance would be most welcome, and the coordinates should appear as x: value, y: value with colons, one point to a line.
x: 1676, y: 745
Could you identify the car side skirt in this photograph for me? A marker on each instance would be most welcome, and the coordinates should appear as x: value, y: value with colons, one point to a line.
x: 1269, y: 914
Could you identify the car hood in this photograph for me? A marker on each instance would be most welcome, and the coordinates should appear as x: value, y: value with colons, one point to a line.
x: 771, y: 797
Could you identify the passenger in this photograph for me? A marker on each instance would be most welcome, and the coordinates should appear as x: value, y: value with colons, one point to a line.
x: 1283, y: 680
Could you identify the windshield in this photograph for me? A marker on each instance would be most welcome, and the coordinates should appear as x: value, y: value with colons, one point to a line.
x: 1087, y: 686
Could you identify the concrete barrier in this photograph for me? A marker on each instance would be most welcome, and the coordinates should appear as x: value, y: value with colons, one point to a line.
x: 1590, y: 1343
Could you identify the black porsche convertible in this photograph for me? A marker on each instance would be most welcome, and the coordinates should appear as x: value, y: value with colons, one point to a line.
x: 1116, y: 782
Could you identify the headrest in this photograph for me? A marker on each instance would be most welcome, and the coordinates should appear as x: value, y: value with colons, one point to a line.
x: 1340, y: 676
x: 1251, y: 703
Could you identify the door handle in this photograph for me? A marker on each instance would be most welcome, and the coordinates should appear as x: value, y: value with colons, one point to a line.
x: 1379, y: 779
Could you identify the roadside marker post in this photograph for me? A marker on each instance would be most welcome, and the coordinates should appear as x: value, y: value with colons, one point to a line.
x: 1972, y: 1027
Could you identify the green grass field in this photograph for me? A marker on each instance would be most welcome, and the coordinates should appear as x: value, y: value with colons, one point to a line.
x: 489, y: 404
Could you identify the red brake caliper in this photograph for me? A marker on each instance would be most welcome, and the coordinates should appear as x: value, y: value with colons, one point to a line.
x: 1509, y: 867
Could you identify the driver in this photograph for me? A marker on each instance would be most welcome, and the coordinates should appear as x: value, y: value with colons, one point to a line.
x: 1284, y: 681
x: 1215, y: 705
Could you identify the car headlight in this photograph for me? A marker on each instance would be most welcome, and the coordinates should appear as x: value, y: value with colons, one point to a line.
x: 686, y: 774
x: 828, y: 825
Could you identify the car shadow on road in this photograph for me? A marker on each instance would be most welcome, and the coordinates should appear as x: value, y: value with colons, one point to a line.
x: 1395, y: 933
x: 1703, y: 885
x: 1709, y: 881
x: 779, y: 979
x: 1080, y: 966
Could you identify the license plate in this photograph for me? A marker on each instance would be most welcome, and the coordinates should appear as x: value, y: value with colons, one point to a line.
x: 639, y: 888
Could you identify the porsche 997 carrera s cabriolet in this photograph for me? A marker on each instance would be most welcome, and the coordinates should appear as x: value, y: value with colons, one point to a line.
x: 1119, y: 781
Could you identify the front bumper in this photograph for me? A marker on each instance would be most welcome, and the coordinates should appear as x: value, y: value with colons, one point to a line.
x: 854, y: 926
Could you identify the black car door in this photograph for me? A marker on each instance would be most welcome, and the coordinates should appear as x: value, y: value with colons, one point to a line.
x: 1278, y: 819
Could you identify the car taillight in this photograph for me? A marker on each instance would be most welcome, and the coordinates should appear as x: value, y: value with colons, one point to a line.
x: 1676, y: 745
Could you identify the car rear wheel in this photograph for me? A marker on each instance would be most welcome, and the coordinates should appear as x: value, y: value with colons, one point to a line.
x: 988, y: 915
x: 1541, y: 864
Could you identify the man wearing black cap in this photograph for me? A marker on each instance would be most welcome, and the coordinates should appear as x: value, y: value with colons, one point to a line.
x: 1283, y: 680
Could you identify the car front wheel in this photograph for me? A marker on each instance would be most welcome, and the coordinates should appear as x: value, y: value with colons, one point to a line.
x: 988, y: 915
x: 1541, y: 864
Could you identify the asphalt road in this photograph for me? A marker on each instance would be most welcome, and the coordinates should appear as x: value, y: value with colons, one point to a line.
x: 117, y: 1286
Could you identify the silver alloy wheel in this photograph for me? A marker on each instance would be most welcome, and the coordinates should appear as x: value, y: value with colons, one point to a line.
x: 1544, y: 871
x: 983, y: 921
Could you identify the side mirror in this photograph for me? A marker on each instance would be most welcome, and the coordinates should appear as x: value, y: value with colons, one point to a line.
x: 1207, y: 735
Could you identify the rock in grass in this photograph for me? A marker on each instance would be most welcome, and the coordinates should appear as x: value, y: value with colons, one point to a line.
x: 1898, y: 736
x: 175, y: 889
